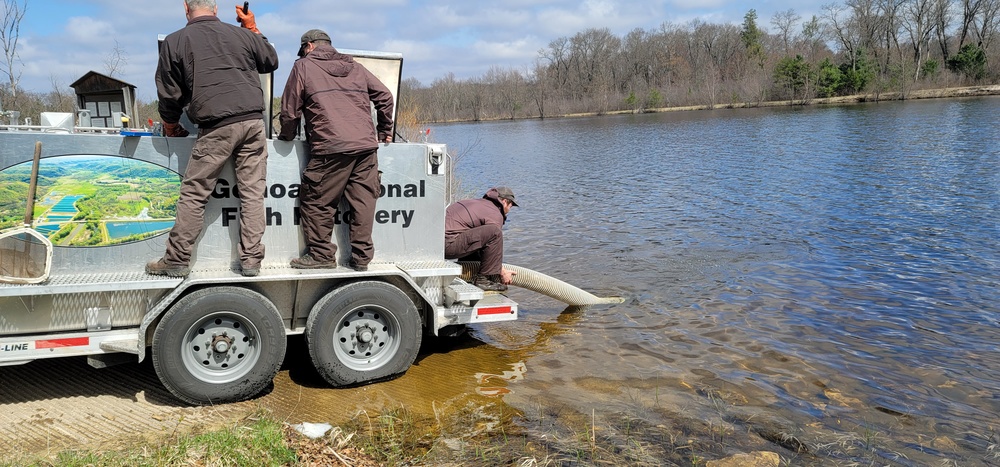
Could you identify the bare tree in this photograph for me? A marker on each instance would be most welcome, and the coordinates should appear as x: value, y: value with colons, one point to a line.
x: 636, y: 58
x: 558, y: 57
x: 446, y: 95
x: 812, y: 38
x: 10, y: 32
x: 970, y: 10
x: 987, y: 24
x: 850, y: 35
x: 591, y: 54
x: 537, y: 87
x: 408, y: 110
x: 115, y: 60
x: 508, y: 85
x: 474, y: 97
x: 890, y: 12
x: 783, y: 22
x: 942, y: 22
x: 918, y: 21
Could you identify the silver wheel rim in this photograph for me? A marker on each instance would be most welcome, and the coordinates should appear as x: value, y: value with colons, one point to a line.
x: 221, y: 347
x: 366, y: 338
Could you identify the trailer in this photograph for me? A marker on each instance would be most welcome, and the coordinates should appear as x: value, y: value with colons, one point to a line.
x: 105, y: 200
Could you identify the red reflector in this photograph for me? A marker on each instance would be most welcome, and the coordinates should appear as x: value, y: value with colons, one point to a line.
x: 497, y: 310
x: 55, y: 343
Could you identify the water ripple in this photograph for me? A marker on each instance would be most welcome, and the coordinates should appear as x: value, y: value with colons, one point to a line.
x: 853, y: 248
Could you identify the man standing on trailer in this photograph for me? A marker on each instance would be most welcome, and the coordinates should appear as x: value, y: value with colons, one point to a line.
x: 213, y: 69
x: 473, y: 232
x: 334, y: 95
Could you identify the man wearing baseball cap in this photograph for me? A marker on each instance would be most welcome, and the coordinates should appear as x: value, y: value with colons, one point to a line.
x: 310, y: 37
x: 473, y: 232
x: 333, y: 94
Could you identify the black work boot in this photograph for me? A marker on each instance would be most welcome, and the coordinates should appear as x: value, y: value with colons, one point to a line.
x: 489, y: 283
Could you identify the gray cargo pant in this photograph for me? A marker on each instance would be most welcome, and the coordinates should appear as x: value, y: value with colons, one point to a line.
x: 245, y: 142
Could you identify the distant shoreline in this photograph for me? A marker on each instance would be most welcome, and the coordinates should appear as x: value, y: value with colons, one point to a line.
x: 936, y: 93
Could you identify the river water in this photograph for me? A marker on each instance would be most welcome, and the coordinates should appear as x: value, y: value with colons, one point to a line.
x: 821, y: 282
x: 816, y: 282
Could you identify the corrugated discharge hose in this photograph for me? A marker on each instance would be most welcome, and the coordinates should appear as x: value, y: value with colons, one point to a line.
x: 543, y: 284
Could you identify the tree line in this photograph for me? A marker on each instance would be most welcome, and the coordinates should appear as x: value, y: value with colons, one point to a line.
x: 860, y: 46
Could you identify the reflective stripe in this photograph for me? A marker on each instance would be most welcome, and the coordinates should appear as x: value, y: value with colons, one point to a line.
x: 56, y: 343
x: 493, y: 310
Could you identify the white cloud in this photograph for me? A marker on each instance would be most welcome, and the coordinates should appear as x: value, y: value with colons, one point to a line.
x: 89, y: 31
x: 521, y: 50
x: 436, y: 37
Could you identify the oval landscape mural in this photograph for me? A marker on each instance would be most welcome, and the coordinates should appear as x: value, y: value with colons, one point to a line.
x: 85, y: 201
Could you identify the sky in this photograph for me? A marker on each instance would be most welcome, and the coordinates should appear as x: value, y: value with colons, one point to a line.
x: 61, y: 40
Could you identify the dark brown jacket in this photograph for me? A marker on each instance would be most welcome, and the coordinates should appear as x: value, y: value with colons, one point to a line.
x: 469, y: 213
x: 214, y: 69
x: 333, y: 93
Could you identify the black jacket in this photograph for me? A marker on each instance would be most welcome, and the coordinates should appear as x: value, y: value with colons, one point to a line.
x: 214, y: 69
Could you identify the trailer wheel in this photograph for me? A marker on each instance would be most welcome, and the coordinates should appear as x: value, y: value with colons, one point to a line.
x: 363, y: 332
x: 217, y: 345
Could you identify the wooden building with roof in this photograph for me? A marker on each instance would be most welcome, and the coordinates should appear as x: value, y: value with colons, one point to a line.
x: 105, y: 99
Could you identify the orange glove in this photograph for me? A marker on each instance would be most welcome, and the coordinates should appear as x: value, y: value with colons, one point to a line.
x: 174, y: 130
x: 246, y: 19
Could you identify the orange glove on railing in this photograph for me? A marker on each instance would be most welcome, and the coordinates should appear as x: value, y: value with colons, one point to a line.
x: 246, y: 19
x: 174, y: 130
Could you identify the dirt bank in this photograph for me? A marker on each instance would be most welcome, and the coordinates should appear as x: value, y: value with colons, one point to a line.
x: 938, y: 93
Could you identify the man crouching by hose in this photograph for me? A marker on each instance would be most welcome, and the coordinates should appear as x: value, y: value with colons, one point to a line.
x: 213, y: 69
x: 472, y: 232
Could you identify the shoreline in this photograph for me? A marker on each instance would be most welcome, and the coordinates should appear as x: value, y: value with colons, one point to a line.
x: 935, y: 93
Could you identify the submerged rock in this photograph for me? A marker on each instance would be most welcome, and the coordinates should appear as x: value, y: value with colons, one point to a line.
x: 753, y: 459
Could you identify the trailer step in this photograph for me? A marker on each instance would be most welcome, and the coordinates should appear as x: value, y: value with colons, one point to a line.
x: 123, y: 345
x: 461, y: 291
x: 430, y: 268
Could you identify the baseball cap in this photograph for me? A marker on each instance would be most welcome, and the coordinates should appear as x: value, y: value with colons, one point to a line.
x: 506, y: 193
x: 312, y: 35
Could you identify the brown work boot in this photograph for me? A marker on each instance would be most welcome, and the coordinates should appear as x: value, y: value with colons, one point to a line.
x: 249, y: 270
x: 357, y: 267
x: 158, y: 267
x: 306, y: 261
x: 489, y: 283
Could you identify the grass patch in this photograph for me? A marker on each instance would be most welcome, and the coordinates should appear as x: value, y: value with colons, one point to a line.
x: 464, y: 432
x: 255, y: 440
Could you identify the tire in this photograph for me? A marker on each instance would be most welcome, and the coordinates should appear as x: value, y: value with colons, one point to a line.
x: 363, y: 332
x: 237, y: 363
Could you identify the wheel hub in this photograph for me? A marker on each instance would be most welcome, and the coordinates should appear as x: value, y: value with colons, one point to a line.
x: 364, y: 334
x: 221, y: 344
